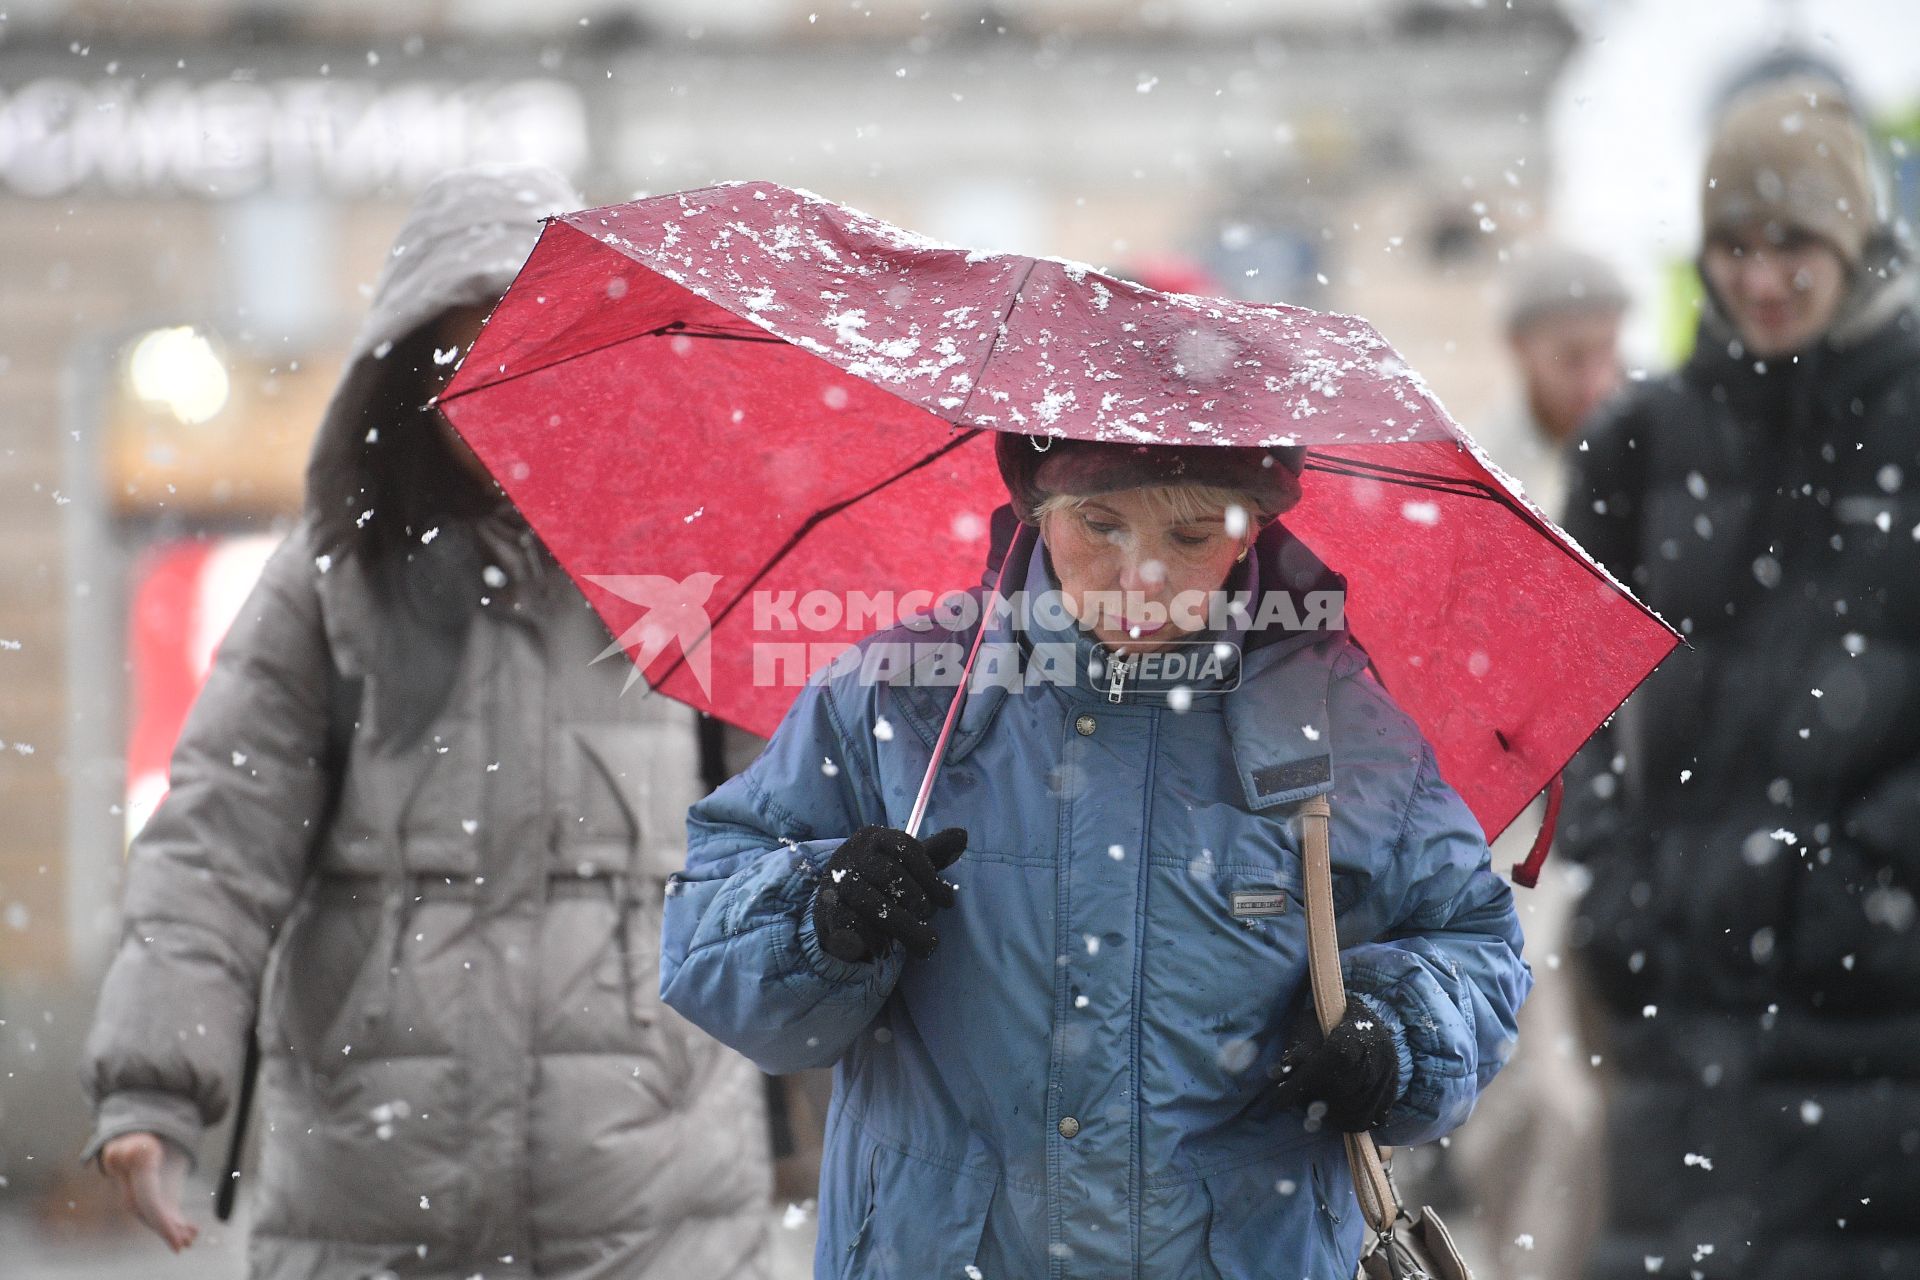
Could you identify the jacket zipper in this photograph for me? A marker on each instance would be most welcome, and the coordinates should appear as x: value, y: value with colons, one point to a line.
x: 1117, y: 670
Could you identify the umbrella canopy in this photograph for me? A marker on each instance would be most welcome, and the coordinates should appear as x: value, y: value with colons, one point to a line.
x: 750, y: 423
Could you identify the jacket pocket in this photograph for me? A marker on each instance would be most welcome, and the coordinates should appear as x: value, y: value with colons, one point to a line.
x: 920, y: 1219
x: 1279, y: 1217
x: 330, y: 969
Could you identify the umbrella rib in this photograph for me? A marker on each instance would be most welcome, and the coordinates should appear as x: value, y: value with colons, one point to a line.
x: 682, y: 328
x: 799, y: 535
x: 676, y: 328
x: 1405, y: 476
x: 1462, y: 488
x: 999, y: 331
x: 1432, y: 483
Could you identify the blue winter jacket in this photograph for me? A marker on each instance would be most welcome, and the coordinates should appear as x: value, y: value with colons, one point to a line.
x: 1078, y: 1082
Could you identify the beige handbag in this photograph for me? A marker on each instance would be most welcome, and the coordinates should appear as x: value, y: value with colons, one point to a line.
x: 1404, y: 1246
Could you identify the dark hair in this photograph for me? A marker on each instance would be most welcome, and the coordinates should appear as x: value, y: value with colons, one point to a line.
x: 413, y: 536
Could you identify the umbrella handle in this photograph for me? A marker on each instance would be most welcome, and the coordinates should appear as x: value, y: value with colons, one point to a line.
x: 1020, y: 544
x: 1527, y: 874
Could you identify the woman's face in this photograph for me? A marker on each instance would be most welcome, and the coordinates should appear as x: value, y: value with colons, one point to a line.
x: 1132, y: 574
x: 1782, y: 296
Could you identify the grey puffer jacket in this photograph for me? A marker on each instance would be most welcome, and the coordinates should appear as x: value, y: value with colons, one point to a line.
x: 466, y: 1066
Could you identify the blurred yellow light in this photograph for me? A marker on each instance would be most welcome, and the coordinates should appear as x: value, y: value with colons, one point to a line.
x: 179, y: 370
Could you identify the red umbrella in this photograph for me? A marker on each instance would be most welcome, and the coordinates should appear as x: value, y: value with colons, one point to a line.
x: 711, y: 404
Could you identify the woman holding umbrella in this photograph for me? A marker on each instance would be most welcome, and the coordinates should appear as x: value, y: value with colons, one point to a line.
x: 1089, y: 1054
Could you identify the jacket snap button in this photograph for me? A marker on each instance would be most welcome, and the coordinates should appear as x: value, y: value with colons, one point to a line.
x: 1085, y: 725
x: 1069, y: 1127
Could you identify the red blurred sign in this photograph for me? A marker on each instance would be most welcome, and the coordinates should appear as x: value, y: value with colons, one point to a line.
x: 185, y: 595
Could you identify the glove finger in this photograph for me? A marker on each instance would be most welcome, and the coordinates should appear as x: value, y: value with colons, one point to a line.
x: 838, y: 927
x: 1359, y: 1112
x: 1303, y: 1075
x: 945, y: 847
x: 892, y: 919
x: 917, y: 936
x: 1361, y: 1071
x: 920, y: 868
x: 875, y: 939
x: 1360, y: 1117
x: 877, y: 864
x: 856, y: 911
x: 896, y: 887
x: 1301, y: 1059
x: 878, y: 909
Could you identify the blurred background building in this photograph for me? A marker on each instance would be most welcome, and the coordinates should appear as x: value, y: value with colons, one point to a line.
x: 195, y: 196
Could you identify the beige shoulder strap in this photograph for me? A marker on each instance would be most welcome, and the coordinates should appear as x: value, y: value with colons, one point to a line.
x: 1377, y: 1201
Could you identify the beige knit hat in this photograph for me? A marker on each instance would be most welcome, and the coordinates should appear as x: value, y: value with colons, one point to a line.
x: 1553, y: 279
x: 1792, y: 155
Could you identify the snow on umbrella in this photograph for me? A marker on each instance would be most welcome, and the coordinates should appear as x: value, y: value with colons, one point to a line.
x: 732, y: 412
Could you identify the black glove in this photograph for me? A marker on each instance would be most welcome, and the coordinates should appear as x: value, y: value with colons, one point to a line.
x: 1353, y: 1072
x: 882, y: 885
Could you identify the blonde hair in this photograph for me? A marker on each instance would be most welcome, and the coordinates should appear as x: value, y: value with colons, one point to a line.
x: 1179, y: 503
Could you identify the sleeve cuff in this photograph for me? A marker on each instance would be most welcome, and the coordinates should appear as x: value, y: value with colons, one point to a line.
x: 169, y: 1115
x: 832, y: 968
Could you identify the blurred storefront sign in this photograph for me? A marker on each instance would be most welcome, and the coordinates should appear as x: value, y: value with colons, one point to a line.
x: 310, y: 135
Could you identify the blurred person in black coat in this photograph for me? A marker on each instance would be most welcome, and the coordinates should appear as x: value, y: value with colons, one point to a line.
x: 1751, y: 818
